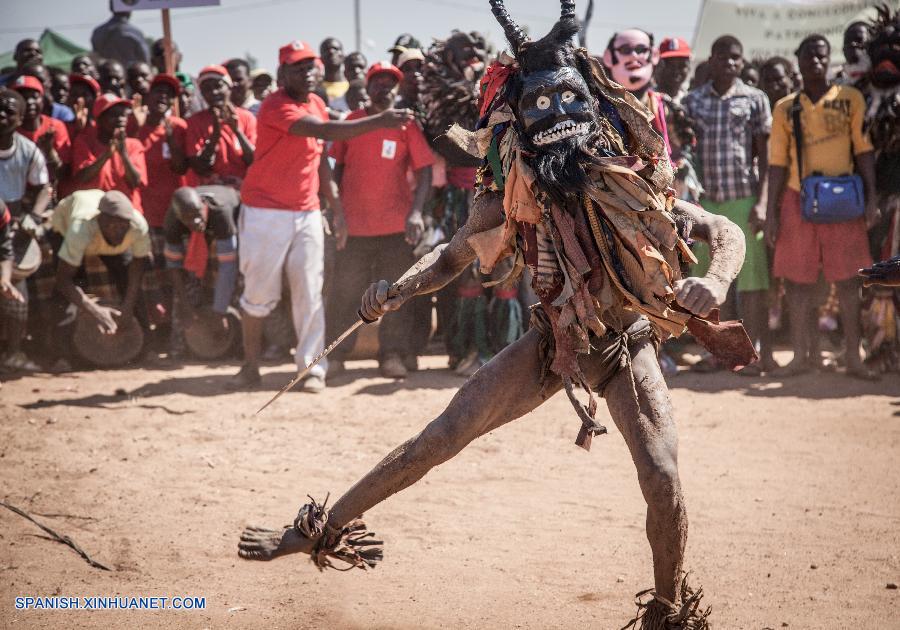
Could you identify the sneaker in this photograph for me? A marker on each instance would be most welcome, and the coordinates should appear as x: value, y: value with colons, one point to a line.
x: 392, y: 367
x: 19, y: 362
x: 313, y: 384
x: 274, y: 354
x: 471, y: 364
x: 247, y: 378
x: 62, y: 366
x: 411, y: 363
x: 667, y: 364
x: 336, y: 369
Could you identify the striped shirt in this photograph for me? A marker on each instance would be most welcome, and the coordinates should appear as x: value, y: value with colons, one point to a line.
x: 726, y: 126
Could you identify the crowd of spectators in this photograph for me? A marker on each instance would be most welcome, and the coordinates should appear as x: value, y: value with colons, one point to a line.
x: 241, y: 199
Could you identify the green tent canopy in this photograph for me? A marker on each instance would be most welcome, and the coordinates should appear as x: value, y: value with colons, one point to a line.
x: 58, y: 51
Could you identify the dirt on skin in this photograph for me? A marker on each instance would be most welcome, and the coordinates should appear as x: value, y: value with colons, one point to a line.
x: 791, y: 488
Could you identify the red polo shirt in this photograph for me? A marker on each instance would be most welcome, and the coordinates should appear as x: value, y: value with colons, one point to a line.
x: 162, y: 181
x: 285, y: 170
x: 229, y: 163
x: 60, y: 141
x: 374, y: 190
x: 85, y: 151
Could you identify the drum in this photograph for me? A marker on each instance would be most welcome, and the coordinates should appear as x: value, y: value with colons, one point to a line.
x: 26, y: 255
x: 206, y: 336
x: 107, y: 351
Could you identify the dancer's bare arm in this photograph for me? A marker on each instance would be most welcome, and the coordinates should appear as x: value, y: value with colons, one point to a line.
x: 485, y: 214
x: 726, y: 252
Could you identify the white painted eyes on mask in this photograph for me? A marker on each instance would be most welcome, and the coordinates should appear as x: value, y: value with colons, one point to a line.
x: 543, y: 102
x: 568, y: 96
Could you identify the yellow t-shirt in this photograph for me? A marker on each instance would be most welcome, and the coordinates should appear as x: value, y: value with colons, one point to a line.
x: 335, y: 89
x: 76, y: 219
x: 832, y: 133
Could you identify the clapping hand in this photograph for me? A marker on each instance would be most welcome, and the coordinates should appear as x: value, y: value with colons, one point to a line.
x: 46, y: 139
x: 81, y: 113
x: 138, y: 110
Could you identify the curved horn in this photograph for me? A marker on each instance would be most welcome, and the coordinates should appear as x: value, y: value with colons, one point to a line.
x: 514, y: 33
x: 568, y: 10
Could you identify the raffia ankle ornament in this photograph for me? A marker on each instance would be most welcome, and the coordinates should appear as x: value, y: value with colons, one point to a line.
x: 352, y: 544
x: 658, y: 613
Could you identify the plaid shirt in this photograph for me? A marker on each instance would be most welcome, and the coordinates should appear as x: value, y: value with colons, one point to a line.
x: 725, y: 127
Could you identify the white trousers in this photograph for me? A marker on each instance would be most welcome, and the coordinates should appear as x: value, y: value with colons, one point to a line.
x: 277, y: 243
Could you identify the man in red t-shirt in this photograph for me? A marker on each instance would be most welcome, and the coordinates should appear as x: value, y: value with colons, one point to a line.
x: 83, y: 93
x: 220, y: 142
x: 103, y: 157
x: 281, y: 230
x: 384, y: 219
x: 162, y: 136
x: 48, y: 133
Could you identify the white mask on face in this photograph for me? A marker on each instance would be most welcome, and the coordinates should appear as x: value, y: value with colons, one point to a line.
x: 632, y: 70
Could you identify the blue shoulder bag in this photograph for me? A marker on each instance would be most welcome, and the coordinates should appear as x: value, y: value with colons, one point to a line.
x: 826, y: 199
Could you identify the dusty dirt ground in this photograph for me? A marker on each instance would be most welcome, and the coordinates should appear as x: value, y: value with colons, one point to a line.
x: 791, y: 487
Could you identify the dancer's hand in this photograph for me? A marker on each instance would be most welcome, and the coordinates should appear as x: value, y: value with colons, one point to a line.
x: 886, y: 274
x: 376, y: 301
x: 700, y: 295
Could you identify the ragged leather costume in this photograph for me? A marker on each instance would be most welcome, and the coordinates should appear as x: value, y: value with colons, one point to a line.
x: 587, y: 197
x: 881, y: 87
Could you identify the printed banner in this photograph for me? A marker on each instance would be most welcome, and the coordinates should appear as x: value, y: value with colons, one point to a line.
x: 146, y: 5
x: 776, y: 28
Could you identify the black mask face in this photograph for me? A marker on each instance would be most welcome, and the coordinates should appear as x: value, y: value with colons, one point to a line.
x: 555, y: 105
x: 884, y: 51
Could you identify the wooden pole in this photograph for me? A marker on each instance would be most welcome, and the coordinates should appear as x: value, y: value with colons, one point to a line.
x: 167, y: 49
x: 167, y: 42
x: 358, y: 25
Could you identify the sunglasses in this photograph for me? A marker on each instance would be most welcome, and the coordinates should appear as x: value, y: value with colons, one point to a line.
x: 628, y: 49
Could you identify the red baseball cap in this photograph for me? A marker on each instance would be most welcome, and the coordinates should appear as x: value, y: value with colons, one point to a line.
x: 214, y: 72
x: 674, y: 47
x: 295, y: 51
x: 105, y: 101
x: 28, y: 82
x: 168, y: 79
x: 384, y: 67
x: 88, y: 81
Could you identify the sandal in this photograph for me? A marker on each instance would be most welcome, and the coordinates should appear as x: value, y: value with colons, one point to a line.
x: 864, y: 374
x: 353, y: 544
x: 707, y: 365
x: 658, y: 613
x: 794, y: 368
x: 752, y: 370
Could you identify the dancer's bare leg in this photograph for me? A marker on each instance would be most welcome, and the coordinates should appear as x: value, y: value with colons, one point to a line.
x: 651, y: 436
x: 503, y: 390
x: 506, y: 388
